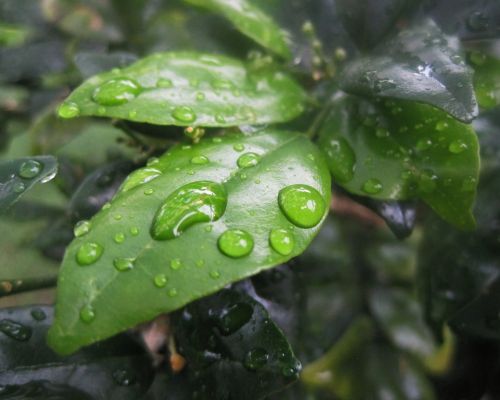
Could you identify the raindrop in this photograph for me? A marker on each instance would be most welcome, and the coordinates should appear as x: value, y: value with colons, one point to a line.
x: 342, y: 159
x: 87, y: 314
x: 15, y: 330
x: 302, y: 205
x: 160, y: 280
x: 38, y: 314
x: 116, y: 91
x: 248, y: 160
x: 200, y: 96
x: 139, y: 177
x: 424, y: 144
x: 164, y: 83
x: 184, y: 114
x: 123, y: 264
x: 441, y: 126
x: 89, y: 253
x: 427, y: 181
x: 172, y: 292
x: 119, y: 238
x: 176, y: 264
x: 239, y: 147
x: 469, y: 184
x: 19, y: 187
x: 117, y: 217
x: 134, y: 231
x: 372, y: 186
x: 82, y: 228
x: 149, y: 191
x: 457, y: 146
x: 199, y: 160
x: 68, y: 110
x: 235, y: 243
x: 214, y: 274
x: 281, y: 241
x: 30, y: 169
x: 256, y: 359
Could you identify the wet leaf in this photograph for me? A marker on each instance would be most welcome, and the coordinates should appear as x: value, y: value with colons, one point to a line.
x: 118, y: 368
x: 486, y: 78
x: 404, y: 151
x: 188, y: 224
x: 251, y: 21
x: 189, y: 89
x: 19, y: 175
x: 419, y: 64
x: 233, y: 348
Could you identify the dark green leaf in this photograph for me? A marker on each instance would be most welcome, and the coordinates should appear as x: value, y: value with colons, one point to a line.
x: 18, y: 176
x: 404, y: 151
x: 251, y: 21
x: 233, y: 349
x: 419, y: 64
x: 189, y: 89
x: 190, y: 265
x: 115, y: 369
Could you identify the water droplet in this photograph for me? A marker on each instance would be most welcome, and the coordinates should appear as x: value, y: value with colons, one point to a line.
x: 234, y: 318
x: 382, y: 132
x: 49, y: 177
x: 172, y: 292
x: 239, y: 147
x: 341, y: 159
x: 220, y: 119
x: 200, y: 263
x: 200, y: 96
x: 123, y: 264
x: 248, y: 160
x: 217, y: 140
x: 208, y: 228
x: 427, y: 181
x: 116, y: 91
x: 222, y: 84
x: 132, y: 114
x: 101, y: 110
x: 196, y: 202
x: 119, y: 238
x: 256, y: 359
x: 82, y: 228
x: 477, y: 21
x: 372, y: 186
x: 290, y: 371
x: 117, y: 217
x: 184, y: 114
x: 89, y: 253
x: 38, y: 314
x: 68, y: 110
x: 149, y: 191
x: 134, y: 231
x: 199, y: 160
x: 30, y: 169
x: 160, y: 280
x: 176, y: 264
x: 164, y: 83
x: 281, y: 241
x: 15, y: 330
x: 139, y: 177
x: 19, y: 187
x: 302, y: 205
x: 235, y: 243
x: 214, y: 274
x: 106, y: 206
x: 424, y: 144
x: 457, y: 146
x: 87, y: 314
x: 441, y: 126
x: 124, y: 377
x: 469, y: 184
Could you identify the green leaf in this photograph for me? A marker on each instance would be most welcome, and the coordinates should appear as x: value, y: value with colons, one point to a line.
x: 189, y: 89
x: 233, y: 348
x: 251, y: 21
x: 404, y: 151
x: 194, y: 200
x: 420, y: 64
x: 486, y: 78
x: 111, y: 370
x: 18, y: 176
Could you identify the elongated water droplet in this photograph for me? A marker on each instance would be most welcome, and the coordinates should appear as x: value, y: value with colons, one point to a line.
x: 139, y: 177
x: 15, y: 330
x: 68, y: 110
x: 256, y: 359
x: 87, y: 314
x: 149, y: 191
x: 116, y: 91
x: 89, y: 253
x: 239, y: 147
x: 82, y: 228
x: 196, y: 202
x: 282, y: 241
x: 184, y: 114
x: 235, y: 243
x: 372, y: 186
x: 457, y: 146
x: 302, y: 205
x: 199, y: 160
x: 214, y: 274
x: 30, y: 169
x: 341, y: 159
x: 123, y: 264
x: 248, y: 160
x: 160, y: 280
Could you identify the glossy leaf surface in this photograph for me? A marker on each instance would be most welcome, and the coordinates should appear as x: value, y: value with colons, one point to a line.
x: 419, y: 64
x: 233, y: 192
x: 404, y: 151
x: 189, y: 89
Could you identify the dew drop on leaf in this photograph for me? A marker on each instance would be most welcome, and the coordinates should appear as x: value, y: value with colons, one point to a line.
x: 30, y: 169
x: 148, y: 191
x: 457, y: 146
x: 38, y: 314
x: 176, y: 264
x: 199, y: 160
x: 235, y: 243
x: 87, y: 314
x: 214, y: 274
x: 441, y: 125
x: 424, y: 144
x: 343, y: 159
x: 68, y: 110
x: 239, y: 147
x: 256, y: 359
x: 248, y: 160
x: 123, y: 264
x: 82, y: 228
x: 15, y: 330
x: 164, y: 83
x: 172, y: 292
x: 89, y: 253
x: 184, y: 114
x: 427, y: 181
x: 124, y: 377
x: 134, y: 231
x: 282, y: 241
x: 19, y: 187
x: 119, y: 238
x: 302, y: 205
x: 372, y: 186
x: 116, y: 91
x: 139, y: 177
x: 160, y: 280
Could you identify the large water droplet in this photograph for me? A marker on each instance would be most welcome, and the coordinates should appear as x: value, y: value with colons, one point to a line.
x: 30, y: 169
x: 457, y: 146
x: 87, y: 314
x: 235, y: 243
x: 372, y: 186
x: 68, y: 110
x: 248, y: 160
x: 342, y: 159
x: 15, y: 330
x: 234, y: 317
x: 282, y: 241
x: 196, y: 202
x: 302, y: 205
x: 89, y: 253
x: 116, y: 91
x: 184, y: 114
x: 123, y: 264
x: 139, y: 177
x: 256, y: 359
x: 82, y: 228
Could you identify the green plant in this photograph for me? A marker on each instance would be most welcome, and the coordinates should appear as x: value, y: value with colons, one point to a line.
x: 245, y: 184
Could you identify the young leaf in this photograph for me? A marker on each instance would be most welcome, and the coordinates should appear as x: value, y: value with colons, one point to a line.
x: 189, y: 89
x: 19, y: 175
x: 185, y: 226
x: 404, y: 151
x: 420, y: 64
x: 251, y: 21
x: 233, y: 349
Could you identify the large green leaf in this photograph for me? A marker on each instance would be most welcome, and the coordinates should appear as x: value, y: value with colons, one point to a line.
x: 233, y: 349
x: 420, y: 64
x: 236, y: 184
x: 111, y: 370
x: 189, y: 89
x: 19, y: 175
x: 251, y: 21
x: 402, y: 151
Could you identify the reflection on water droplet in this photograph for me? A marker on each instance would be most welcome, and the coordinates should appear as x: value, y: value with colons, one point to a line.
x: 282, y: 241
x: 424, y: 144
x: 149, y: 191
x: 30, y: 169
x: 139, y: 177
x: 68, y: 110
x: 82, y: 228
x: 199, y: 160
x: 89, y: 253
x: 87, y: 314
x: 123, y: 264
x: 248, y: 160
x: 302, y: 205
x: 235, y: 243
x: 196, y: 202
x: 15, y: 330
x: 134, y: 231
x: 256, y: 359
x: 372, y: 186
x: 116, y: 91
x: 457, y: 146
x: 160, y: 280
x: 184, y: 114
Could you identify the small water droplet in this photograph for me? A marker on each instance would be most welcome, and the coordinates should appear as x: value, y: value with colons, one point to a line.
x: 382, y: 132
x: 172, y: 292
x: 19, y: 187
x: 30, y: 169
x: 208, y: 228
x: 441, y: 125
x: 134, y: 231
x: 148, y: 191
x: 427, y: 181
x: 239, y: 147
x: 217, y: 140
x: 199, y: 160
x: 164, y: 83
x: 469, y: 184
x: 220, y: 119
x: 68, y: 110
x: 214, y: 274
x: 117, y: 217
x: 282, y: 241
x: 200, y: 96
x: 184, y: 114
x: 256, y: 359
x: 424, y: 144
x: 116, y: 91
x: 124, y: 377
x: 119, y: 238
x: 15, y: 330
x: 200, y: 263
x: 160, y: 280
x: 123, y: 264
x: 457, y: 146
x: 106, y: 206
x: 235, y: 243
x: 89, y: 253
x: 302, y: 205
x: 248, y: 160
x: 82, y: 228
x: 372, y: 186
x: 176, y: 264
x: 87, y: 314
x: 38, y: 314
